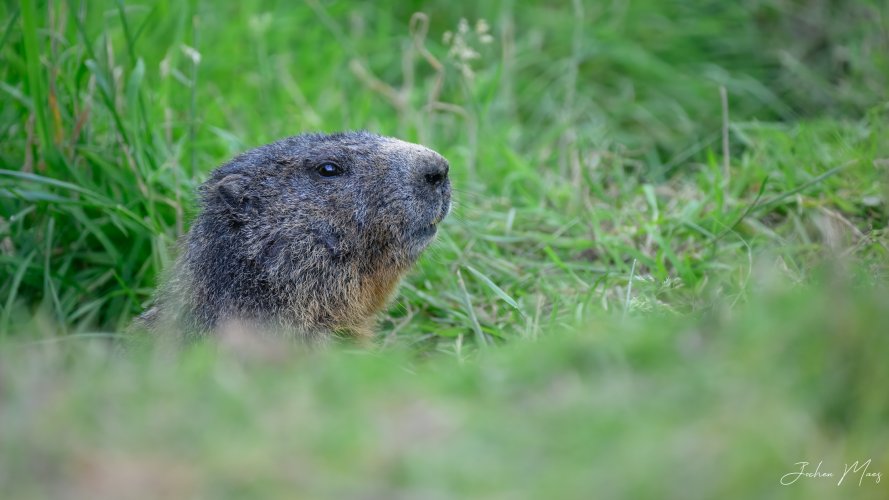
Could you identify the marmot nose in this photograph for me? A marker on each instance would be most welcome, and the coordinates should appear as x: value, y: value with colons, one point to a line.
x: 435, y: 171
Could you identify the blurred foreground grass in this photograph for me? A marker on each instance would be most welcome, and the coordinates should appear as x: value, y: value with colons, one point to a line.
x: 638, y: 295
x: 718, y: 406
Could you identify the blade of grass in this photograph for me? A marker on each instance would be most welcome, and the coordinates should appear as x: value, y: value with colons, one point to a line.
x: 629, y: 290
x: 8, y: 29
x: 32, y: 60
x: 467, y: 303
x: 494, y: 288
x: 106, y: 89
x: 781, y: 197
x: 13, y: 291
x: 561, y: 265
x: 134, y: 85
x: 748, y: 211
x: 48, y: 284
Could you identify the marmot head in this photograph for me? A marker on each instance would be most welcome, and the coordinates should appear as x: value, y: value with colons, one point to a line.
x: 311, y: 232
x: 344, y: 196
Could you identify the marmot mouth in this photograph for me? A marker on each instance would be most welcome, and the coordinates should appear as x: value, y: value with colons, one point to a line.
x: 427, y: 232
x: 446, y: 209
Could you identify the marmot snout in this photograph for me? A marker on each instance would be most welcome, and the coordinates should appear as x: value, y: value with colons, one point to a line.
x: 307, y: 236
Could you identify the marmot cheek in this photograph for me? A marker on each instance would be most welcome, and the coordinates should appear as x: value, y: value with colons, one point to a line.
x: 360, y: 217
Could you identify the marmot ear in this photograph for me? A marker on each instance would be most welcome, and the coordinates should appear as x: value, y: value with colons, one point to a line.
x: 232, y: 191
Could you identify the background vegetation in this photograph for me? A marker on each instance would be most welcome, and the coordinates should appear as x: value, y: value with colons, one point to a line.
x: 665, y: 275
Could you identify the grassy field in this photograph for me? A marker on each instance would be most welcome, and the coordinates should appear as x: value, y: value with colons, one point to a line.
x: 665, y: 275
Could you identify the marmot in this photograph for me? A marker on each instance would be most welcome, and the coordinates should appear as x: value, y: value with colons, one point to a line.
x: 307, y: 236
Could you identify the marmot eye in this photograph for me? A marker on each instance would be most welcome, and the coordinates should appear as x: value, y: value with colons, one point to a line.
x: 329, y: 170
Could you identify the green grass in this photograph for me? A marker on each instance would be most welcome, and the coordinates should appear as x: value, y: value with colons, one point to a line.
x: 628, y: 300
x: 721, y: 405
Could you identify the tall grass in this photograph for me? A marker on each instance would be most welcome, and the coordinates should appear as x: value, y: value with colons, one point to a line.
x: 585, y: 137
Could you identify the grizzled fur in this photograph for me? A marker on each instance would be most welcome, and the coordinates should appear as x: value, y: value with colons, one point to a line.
x: 280, y: 246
